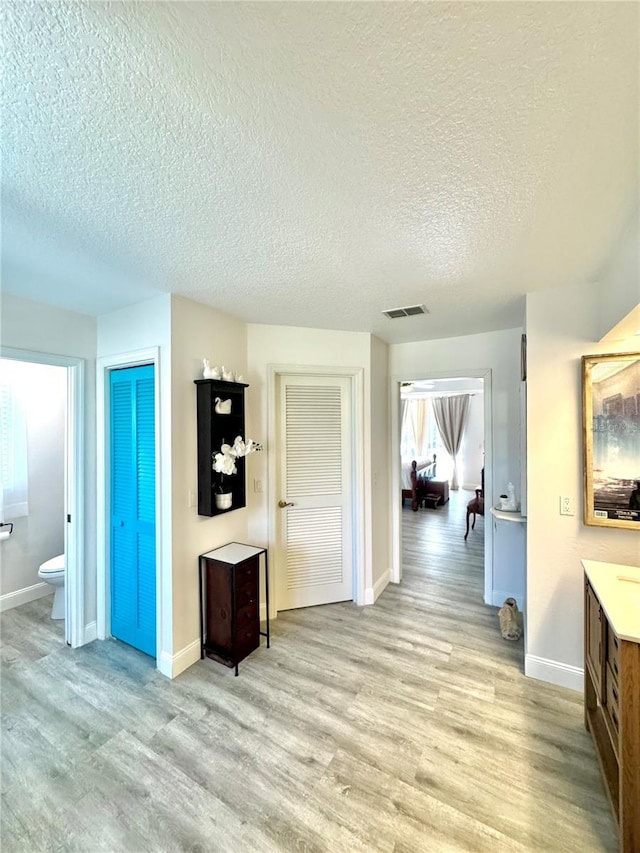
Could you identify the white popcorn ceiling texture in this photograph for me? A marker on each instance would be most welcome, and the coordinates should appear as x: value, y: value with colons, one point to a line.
x: 315, y: 163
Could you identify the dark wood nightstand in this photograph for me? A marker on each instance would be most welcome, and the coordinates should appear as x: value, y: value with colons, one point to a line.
x: 230, y: 603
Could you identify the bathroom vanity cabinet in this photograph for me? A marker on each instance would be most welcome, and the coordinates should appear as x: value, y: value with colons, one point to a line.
x: 216, y: 428
x: 612, y: 687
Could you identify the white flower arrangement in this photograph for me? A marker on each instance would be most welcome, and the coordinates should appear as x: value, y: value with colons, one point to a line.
x: 224, y: 462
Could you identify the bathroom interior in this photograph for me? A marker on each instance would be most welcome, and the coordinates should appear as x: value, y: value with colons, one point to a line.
x: 33, y: 411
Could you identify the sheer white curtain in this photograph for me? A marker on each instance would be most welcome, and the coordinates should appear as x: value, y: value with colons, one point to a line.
x: 419, y: 414
x: 451, y: 414
x: 414, y: 428
x: 407, y: 436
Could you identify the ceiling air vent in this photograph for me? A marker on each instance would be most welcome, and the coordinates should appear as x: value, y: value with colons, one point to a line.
x: 409, y: 311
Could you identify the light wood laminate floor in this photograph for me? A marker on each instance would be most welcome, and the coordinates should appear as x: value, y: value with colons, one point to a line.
x: 403, y: 727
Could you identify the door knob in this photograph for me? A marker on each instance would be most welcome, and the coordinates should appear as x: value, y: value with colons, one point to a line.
x: 283, y: 504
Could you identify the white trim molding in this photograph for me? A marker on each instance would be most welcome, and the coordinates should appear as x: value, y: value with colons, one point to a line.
x: 23, y: 596
x: 90, y: 632
x: 356, y: 375
x: 553, y: 672
x: 498, y: 597
x: 104, y: 365
x: 373, y: 593
x: 173, y: 665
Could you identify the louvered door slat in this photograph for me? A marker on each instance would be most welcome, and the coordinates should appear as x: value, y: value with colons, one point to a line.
x: 313, y: 441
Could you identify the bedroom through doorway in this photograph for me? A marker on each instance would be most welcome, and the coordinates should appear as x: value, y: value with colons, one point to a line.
x: 442, y: 449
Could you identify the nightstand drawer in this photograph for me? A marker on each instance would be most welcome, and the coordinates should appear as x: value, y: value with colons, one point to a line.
x: 247, y: 594
x: 246, y: 573
x: 247, y: 616
x: 247, y: 640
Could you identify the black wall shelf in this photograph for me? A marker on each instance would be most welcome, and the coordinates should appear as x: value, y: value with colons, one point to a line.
x: 214, y: 430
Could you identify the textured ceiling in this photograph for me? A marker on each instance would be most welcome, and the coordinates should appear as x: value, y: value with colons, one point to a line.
x: 315, y: 163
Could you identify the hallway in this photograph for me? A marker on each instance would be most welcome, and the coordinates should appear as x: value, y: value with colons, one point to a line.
x: 406, y: 727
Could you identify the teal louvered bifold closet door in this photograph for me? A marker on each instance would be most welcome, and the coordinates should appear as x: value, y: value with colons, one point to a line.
x: 133, y: 507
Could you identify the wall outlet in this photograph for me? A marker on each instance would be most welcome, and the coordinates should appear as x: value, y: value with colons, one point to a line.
x: 257, y: 485
x: 567, y: 505
x: 191, y: 499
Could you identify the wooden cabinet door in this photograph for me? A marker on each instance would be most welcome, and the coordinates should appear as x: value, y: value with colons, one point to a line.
x: 594, y: 625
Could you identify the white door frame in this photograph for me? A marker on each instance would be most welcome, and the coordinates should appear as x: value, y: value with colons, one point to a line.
x: 396, y: 544
x: 356, y: 375
x: 74, y: 627
x: 104, y: 366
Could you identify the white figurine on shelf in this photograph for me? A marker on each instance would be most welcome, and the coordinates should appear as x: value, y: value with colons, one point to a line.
x: 209, y: 372
x: 228, y: 375
x: 239, y: 378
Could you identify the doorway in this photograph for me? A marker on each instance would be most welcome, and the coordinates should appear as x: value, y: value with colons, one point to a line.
x: 132, y: 490
x: 142, y: 530
x: 72, y: 520
x: 316, y: 509
x: 473, y: 381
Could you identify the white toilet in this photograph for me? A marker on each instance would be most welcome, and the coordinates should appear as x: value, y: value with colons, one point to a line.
x: 53, y: 572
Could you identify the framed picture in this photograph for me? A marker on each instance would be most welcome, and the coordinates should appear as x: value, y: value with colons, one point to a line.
x: 611, y: 425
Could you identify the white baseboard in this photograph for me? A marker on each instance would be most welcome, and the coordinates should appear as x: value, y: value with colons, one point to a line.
x: 372, y: 593
x: 25, y: 595
x: 498, y: 597
x: 553, y: 672
x: 173, y: 665
x: 90, y: 632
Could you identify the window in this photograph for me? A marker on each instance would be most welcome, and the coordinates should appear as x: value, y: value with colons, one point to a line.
x: 13, y: 458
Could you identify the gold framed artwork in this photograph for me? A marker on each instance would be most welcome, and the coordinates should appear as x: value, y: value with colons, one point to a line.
x: 611, y: 428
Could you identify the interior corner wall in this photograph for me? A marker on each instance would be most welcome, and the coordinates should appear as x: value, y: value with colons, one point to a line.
x: 561, y: 326
x: 380, y: 467
x: 198, y: 332
x: 288, y: 345
x: 35, y: 327
x: 618, y: 288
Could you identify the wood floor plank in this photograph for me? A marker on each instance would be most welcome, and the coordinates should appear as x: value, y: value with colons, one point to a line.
x: 406, y: 727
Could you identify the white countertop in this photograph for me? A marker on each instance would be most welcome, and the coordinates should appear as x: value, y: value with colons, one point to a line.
x: 507, y: 515
x: 234, y: 553
x: 618, y: 590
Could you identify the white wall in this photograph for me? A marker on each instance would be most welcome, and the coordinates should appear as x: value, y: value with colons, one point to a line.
x: 200, y: 332
x: 562, y: 326
x: 39, y: 535
x: 34, y: 327
x: 286, y: 345
x: 499, y: 353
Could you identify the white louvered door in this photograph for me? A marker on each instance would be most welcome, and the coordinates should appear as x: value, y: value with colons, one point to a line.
x: 314, y: 554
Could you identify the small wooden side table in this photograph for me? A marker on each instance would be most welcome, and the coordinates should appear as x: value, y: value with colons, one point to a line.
x: 230, y: 602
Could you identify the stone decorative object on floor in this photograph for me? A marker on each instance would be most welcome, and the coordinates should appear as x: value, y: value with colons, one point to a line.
x: 509, y: 621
